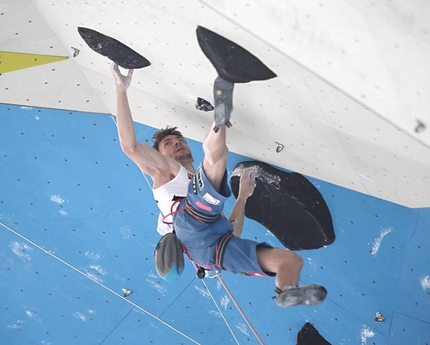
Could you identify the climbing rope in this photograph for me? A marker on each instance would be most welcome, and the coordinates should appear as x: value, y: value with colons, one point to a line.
x: 240, y: 309
x: 220, y: 311
x: 102, y: 285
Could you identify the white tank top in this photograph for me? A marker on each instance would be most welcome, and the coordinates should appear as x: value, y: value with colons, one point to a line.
x: 165, y: 194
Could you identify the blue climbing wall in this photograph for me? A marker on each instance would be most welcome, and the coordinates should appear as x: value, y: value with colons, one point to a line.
x: 77, y: 226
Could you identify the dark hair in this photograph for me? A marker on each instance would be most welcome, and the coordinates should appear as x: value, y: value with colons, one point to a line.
x: 162, y: 133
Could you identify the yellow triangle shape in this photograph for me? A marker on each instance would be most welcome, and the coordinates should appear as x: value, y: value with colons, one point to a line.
x: 14, y: 61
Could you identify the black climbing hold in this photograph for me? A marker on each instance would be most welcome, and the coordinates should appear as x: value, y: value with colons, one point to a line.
x: 288, y: 205
x: 232, y: 62
x: 201, y: 273
x: 112, y: 49
x: 203, y: 105
x: 308, y: 335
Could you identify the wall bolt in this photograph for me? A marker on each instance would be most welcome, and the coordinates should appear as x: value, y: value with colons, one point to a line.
x: 379, y: 317
x: 76, y: 51
x: 279, y: 147
x: 127, y: 292
x: 420, y: 127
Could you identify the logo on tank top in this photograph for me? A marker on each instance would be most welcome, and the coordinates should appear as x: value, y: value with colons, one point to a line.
x: 200, y: 179
x: 194, y: 185
x: 210, y: 199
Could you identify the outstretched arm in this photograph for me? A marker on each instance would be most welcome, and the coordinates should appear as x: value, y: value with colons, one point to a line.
x: 246, y: 188
x: 149, y: 160
x: 127, y: 136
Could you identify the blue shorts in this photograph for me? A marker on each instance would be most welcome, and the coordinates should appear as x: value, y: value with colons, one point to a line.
x: 200, y: 238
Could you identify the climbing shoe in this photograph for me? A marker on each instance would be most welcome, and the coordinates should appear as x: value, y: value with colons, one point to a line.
x: 309, y: 295
x: 223, y: 96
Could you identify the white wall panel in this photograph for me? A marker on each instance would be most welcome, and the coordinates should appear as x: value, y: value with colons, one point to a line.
x: 352, y: 81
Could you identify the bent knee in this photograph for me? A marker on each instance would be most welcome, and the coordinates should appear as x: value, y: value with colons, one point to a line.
x: 271, y: 259
x: 294, y: 259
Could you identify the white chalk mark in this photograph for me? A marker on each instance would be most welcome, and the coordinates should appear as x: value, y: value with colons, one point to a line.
x: 92, y: 255
x: 377, y: 242
x: 21, y: 250
x: 16, y: 325
x: 125, y: 233
x: 80, y: 316
x: 364, y: 177
x: 365, y: 334
x: 93, y: 276
x: 312, y: 265
x: 153, y: 275
x: 216, y: 313
x: 202, y: 291
x: 98, y: 269
x: 57, y: 199
x: 267, y: 178
x: 225, y: 301
x: 160, y: 288
x: 425, y: 283
x: 242, y: 327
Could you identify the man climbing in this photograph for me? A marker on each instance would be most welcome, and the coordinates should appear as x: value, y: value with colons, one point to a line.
x: 195, y: 199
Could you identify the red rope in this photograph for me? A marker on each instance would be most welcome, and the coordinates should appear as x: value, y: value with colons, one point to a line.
x: 240, y: 310
x: 171, y: 211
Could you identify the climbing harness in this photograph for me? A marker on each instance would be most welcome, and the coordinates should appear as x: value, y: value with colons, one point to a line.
x: 201, y: 217
x: 220, y: 249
